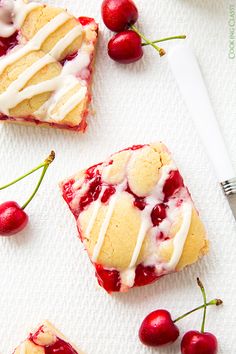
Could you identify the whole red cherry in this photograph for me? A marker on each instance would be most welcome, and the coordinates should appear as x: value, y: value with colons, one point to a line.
x: 125, y: 47
x: 118, y: 15
x: 195, y: 342
x: 13, y: 219
x: 158, y: 328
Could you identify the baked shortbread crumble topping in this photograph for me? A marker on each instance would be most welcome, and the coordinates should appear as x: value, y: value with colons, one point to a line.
x: 135, y: 217
x: 46, y: 340
x: 46, y: 60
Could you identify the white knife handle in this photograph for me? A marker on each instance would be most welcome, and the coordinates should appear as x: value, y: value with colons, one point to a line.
x: 189, y: 78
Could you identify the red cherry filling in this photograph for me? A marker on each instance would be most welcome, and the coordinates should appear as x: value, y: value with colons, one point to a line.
x: 145, y: 275
x: 68, y: 58
x: 59, y: 347
x: 92, y: 171
x: 172, y: 184
x: 139, y: 202
x: 92, y: 193
x: 109, y: 191
x: 108, y: 279
x: 158, y: 214
x: 8, y: 43
x: 85, y: 20
x: 67, y: 191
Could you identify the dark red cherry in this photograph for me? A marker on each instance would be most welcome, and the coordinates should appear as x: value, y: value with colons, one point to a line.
x: 109, y: 191
x: 108, y: 279
x: 8, y: 43
x: 118, y: 15
x: 85, y: 20
x: 172, y: 184
x: 158, y: 329
x: 145, y: 275
x: 92, y: 193
x: 13, y: 219
x: 158, y: 214
x: 125, y: 47
x: 195, y: 342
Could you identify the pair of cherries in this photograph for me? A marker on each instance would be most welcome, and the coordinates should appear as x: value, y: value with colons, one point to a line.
x: 158, y: 329
x: 126, y: 46
x: 13, y: 218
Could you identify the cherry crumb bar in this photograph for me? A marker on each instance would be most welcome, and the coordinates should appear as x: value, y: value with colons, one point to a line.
x: 46, y: 64
x: 135, y: 217
x: 46, y: 339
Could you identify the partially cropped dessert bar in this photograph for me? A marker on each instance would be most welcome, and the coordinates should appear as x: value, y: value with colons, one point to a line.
x: 135, y: 217
x: 46, y: 63
x: 46, y: 339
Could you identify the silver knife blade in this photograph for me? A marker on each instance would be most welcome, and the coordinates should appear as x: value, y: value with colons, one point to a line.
x: 189, y: 78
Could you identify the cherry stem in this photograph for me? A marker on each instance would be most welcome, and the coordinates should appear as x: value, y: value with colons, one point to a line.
x: 205, y: 302
x: 25, y: 175
x: 161, y: 51
x: 165, y: 39
x: 216, y: 302
x: 45, y: 166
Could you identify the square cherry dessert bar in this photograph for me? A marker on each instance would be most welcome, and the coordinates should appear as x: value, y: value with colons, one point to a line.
x: 46, y: 340
x: 135, y: 217
x: 46, y: 62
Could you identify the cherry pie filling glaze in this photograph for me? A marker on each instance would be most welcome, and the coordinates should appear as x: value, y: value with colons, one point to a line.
x: 49, y: 339
x: 147, y: 177
x: 53, y: 90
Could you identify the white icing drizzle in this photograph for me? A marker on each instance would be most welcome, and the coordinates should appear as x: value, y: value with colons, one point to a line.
x: 81, y: 61
x: 146, y: 224
x: 15, y: 86
x: 106, y: 222
x: 69, y: 105
x: 180, y: 237
x: 62, y: 83
x: 36, y: 42
x: 96, y: 207
x: 165, y: 170
x: 127, y: 277
x: 63, y: 43
x: 20, y: 9
x: 29, y: 92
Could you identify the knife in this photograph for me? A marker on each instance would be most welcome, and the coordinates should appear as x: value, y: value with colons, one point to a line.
x: 187, y: 73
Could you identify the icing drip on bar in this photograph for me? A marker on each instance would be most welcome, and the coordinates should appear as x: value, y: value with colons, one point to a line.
x: 36, y: 42
x: 63, y: 43
x: 180, y: 237
x: 61, y: 84
x: 20, y: 10
x: 106, y: 222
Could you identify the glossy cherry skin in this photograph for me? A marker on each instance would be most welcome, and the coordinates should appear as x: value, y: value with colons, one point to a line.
x: 195, y: 342
x: 125, y: 47
x: 12, y: 218
x: 118, y: 15
x: 158, y: 214
x: 158, y: 329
